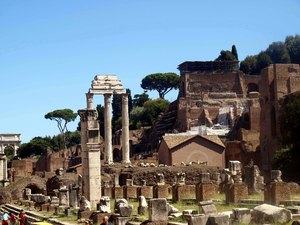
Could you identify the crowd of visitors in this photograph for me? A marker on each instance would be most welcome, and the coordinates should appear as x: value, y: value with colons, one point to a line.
x: 12, y: 219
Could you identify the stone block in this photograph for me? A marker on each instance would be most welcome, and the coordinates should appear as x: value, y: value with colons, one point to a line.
x: 158, y: 209
x: 85, y: 214
x: 241, y: 215
x: 146, y: 191
x: 207, y: 208
x: 125, y: 210
x: 45, y: 207
x: 205, y: 191
x: 142, y: 210
x: 183, y: 192
x: 296, y: 222
x: 52, y: 208
x: 107, y: 191
x: 161, y: 191
x: 276, y: 192
x: 204, y: 177
x: 197, y: 219
x: 235, y: 192
x: 271, y: 214
x: 121, y: 220
x: 97, y: 217
x: 117, y: 192
x: 68, y: 212
x: 130, y: 192
x: 218, y: 219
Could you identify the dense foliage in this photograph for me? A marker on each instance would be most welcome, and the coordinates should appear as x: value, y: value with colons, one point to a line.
x: 287, y: 159
x: 39, y: 145
x: 226, y: 55
x: 277, y: 52
x: 146, y: 115
x: 161, y: 82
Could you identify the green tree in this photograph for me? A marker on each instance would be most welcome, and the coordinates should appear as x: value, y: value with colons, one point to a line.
x: 154, y: 107
x: 161, y: 82
x: 35, y: 147
x: 62, y: 118
x: 234, y: 52
x: 130, y: 103
x: 248, y: 65
x: 116, y: 107
x: 73, y: 138
x: 290, y: 120
x: 140, y: 99
x: 292, y: 44
x: 9, y: 152
x: 263, y: 61
x: 287, y: 158
x: 100, y: 110
x: 278, y: 53
x: 226, y: 56
x: 137, y: 119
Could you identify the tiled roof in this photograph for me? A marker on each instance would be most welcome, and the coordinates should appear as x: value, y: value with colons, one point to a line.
x: 174, y: 140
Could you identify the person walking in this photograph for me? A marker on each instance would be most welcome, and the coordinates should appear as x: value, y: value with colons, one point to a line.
x: 12, y: 219
x: 5, y: 218
x: 105, y: 221
x: 22, y: 218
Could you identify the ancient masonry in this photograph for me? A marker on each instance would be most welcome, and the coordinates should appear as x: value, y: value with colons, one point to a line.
x: 101, y: 85
x: 277, y: 82
x: 6, y: 140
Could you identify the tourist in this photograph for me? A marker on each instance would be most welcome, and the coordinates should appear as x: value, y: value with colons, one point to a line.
x: 5, y: 218
x: 22, y: 218
x: 12, y: 219
x: 105, y: 221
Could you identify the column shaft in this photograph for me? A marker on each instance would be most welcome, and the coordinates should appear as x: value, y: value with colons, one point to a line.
x: 125, y: 129
x: 108, y: 131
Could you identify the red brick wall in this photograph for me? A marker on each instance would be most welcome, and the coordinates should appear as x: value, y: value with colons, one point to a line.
x: 22, y: 168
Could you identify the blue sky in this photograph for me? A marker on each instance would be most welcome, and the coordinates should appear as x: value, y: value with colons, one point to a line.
x: 50, y: 50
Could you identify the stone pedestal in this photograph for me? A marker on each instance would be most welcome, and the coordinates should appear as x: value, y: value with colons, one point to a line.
x: 90, y: 155
x: 161, y: 191
x: 146, y: 191
x: 206, y: 191
x: 84, y: 214
x: 74, y: 192
x: 64, y: 197
x: 183, y: 192
x: 45, y: 207
x: 97, y: 217
x: 158, y: 209
x: 121, y: 220
x: 235, y: 192
x: 107, y: 192
x: 130, y: 192
x: 117, y: 192
x: 276, y: 192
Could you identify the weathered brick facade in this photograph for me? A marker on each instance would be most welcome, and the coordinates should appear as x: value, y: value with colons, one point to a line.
x: 277, y: 81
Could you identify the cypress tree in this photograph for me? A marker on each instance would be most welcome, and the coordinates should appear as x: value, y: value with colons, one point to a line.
x: 234, y: 52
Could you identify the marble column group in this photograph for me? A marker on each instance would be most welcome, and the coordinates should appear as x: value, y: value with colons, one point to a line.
x: 107, y: 126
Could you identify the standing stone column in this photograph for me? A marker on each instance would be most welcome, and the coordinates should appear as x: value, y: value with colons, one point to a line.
x: 89, y: 100
x: 108, y: 131
x: 125, y: 129
x: 90, y: 156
